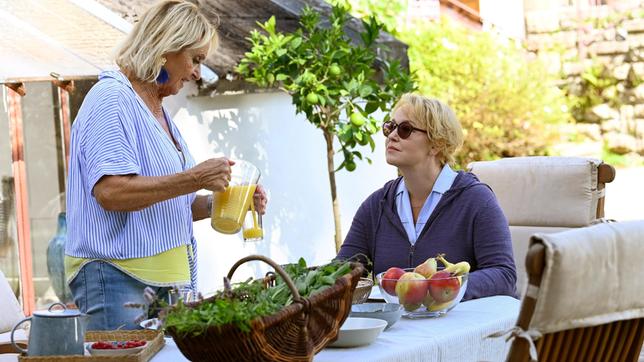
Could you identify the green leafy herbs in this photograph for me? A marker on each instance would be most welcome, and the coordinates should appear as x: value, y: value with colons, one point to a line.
x: 250, y: 299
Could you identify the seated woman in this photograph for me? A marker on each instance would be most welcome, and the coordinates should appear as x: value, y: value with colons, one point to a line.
x: 432, y: 209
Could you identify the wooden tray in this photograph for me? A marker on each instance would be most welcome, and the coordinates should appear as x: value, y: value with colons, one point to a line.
x: 154, y: 338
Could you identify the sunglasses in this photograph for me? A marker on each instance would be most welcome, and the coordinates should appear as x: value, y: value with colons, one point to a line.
x: 404, y: 129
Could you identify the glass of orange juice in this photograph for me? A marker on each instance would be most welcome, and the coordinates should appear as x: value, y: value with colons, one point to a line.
x: 229, y: 207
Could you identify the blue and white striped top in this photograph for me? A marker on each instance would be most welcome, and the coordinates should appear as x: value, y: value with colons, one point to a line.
x: 116, y: 134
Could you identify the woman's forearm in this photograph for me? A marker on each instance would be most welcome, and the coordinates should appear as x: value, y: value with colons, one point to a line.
x: 201, y: 207
x: 134, y: 192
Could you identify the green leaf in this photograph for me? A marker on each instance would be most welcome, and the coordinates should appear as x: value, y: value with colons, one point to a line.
x: 365, y: 90
x: 296, y: 42
x: 269, y: 26
x: 371, y: 107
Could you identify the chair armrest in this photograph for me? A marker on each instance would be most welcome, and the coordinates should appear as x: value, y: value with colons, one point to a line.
x: 8, y: 348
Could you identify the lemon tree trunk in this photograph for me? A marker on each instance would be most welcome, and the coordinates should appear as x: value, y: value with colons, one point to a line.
x: 328, y: 137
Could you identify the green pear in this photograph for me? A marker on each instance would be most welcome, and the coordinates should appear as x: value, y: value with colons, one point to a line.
x: 428, y: 268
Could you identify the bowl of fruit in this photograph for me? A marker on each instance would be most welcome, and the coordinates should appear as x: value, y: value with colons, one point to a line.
x: 426, y: 290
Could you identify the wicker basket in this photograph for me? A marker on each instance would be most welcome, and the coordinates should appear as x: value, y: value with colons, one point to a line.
x: 295, y: 333
x: 361, y: 294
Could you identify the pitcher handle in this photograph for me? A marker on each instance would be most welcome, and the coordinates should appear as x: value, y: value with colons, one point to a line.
x: 55, y: 304
x: 13, y: 342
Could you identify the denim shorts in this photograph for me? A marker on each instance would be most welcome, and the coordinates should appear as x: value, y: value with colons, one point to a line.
x: 101, y: 290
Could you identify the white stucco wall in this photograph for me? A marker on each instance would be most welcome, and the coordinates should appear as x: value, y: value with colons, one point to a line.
x: 290, y: 152
x: 506, y: 16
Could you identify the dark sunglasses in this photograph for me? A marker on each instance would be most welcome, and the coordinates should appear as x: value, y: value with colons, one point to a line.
x: 404, y: 129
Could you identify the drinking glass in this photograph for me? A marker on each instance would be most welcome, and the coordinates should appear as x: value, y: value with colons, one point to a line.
x: 252, y: 227
x: 184, y: 294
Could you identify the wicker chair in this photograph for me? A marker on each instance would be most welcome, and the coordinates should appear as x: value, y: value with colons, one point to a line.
x: 585, y: 299
x: 546, y: 195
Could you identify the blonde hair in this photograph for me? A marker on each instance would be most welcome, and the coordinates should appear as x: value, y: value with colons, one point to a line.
x: 169, y: 26
x: 443, y: 128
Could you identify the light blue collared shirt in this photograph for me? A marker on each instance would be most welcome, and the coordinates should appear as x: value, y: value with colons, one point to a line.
x: 443, y: 182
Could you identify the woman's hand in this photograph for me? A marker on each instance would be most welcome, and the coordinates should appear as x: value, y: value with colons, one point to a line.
x: 260, y: 200
x: 212, y: 174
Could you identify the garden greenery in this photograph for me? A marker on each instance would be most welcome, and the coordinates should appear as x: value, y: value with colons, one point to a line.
x: 332, y: 80
x: 508, y: 104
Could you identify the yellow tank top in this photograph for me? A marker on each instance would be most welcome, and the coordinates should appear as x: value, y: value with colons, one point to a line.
x: 165, y: 269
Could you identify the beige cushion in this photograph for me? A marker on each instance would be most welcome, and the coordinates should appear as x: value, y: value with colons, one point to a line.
x: 11, y: 310
x: 520, y: 244
x: 543, y: 191
x: 593, y: 275
x: 19, y: 335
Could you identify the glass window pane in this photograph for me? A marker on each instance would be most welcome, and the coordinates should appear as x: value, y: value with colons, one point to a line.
x: 45, y: 185
x: 9, y: 263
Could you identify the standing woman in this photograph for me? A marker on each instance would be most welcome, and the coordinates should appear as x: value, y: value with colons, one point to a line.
x: 132, y: 181
x: 431, y: 208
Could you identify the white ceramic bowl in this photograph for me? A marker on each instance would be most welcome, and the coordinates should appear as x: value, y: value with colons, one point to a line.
x: 359, y: 332
x: 389, y: 312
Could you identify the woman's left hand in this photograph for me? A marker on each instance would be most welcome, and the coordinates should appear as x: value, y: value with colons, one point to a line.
x: 260, y: 200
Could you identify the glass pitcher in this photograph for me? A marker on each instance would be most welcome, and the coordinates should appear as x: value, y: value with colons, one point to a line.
x: 230, y: 206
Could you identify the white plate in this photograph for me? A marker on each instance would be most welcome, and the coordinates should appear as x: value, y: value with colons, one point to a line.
x: 359, y: 332
x: 152, y: 324
x: 113, y: 352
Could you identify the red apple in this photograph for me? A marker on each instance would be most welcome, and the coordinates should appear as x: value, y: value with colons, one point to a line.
x: 443, y: 286
x: 411, y: 289
x: 389, y: 279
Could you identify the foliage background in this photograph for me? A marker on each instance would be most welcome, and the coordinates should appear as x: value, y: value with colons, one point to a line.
x: 507, y: 103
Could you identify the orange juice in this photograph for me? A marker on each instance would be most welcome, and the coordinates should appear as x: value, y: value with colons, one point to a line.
x: 252, y: 226
x: 254, y: 233
x: 229, y: 208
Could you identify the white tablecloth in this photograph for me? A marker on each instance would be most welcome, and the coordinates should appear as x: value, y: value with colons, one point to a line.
x: 458, y: 336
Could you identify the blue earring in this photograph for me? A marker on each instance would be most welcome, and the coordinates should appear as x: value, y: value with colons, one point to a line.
x: 163, y: 76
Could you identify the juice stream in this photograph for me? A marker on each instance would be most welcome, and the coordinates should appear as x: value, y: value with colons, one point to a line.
x: 256, y: 231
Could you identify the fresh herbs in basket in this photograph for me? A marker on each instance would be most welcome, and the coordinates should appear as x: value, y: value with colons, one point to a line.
x: 240, y: 303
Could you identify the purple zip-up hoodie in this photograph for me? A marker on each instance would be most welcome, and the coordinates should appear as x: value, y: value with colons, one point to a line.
x: 467, y: 225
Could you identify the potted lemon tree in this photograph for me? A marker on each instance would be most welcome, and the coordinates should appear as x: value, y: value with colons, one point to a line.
x: 336, y: 81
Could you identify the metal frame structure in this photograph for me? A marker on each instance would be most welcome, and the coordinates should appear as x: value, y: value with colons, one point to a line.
x: 15, y: 91
x: 22, y: 202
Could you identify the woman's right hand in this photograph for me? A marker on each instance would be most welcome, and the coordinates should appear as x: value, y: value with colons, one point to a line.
x: 213, y: 174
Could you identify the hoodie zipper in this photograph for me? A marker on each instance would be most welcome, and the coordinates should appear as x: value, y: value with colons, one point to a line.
x: 412, y: 248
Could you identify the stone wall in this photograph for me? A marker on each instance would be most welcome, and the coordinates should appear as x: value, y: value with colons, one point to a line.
x: 599, y: 54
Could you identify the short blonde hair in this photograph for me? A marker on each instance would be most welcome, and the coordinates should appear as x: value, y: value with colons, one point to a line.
x: 443, y: 128
x: 169, y: 26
